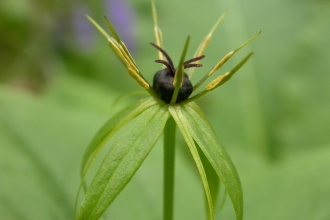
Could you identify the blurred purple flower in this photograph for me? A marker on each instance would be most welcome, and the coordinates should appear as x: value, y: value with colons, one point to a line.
x: 81, y: 27
x: 119, y: 12
x: 122, y: 16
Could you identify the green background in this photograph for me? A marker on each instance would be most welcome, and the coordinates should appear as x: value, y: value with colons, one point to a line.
x: 57, y: 89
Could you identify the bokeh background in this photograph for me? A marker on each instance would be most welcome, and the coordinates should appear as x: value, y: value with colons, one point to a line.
x: 59, y: 80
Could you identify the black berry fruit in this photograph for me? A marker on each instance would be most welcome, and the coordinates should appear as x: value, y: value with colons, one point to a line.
x: 163, y: 79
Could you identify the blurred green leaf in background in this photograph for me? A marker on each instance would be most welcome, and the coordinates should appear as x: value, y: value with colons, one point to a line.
x: 58, y: 83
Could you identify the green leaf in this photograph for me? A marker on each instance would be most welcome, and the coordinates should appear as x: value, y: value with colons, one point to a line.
x: 183, y: 125
x: 298, y: 186
x: 212, y: 176
x: 204, y: 135
x: 122, y: 161
x: 110, y: 128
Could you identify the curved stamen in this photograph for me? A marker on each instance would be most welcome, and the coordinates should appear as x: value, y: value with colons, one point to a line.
x: 186, y: 66
x: 166, y: 56
x: 167, y: 65
x: 194, y: 59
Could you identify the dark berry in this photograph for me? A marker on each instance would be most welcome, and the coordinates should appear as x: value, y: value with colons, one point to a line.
x: 163, y: 84
x: 163, y: 79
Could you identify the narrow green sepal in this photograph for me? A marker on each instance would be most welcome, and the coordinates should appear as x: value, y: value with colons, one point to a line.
x: 117, y: 38
x: 103, y: 32
x: 247, y: 42
x: 179, y: 73
x: 112, y: 29
x: 238, y: 66
x: 227, y: 76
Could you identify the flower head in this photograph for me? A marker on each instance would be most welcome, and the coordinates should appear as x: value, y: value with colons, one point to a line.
x: 169, y: 105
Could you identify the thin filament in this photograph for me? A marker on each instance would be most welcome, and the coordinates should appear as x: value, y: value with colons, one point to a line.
x: 186, y: 66
x: 166, y: 64
x: 193, y: 59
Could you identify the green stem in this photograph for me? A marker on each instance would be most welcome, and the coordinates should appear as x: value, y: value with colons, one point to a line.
x: 169, y: 158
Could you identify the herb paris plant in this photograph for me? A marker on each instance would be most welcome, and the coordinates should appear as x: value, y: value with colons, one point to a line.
x: 168, y: 106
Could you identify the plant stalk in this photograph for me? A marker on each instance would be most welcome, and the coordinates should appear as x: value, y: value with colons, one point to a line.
x: 169, y: 162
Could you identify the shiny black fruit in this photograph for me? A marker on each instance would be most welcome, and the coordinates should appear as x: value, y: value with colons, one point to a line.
x: 163, y: 79
x: 163, y: 84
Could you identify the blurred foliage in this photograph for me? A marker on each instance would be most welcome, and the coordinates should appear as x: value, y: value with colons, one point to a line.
x: 58, y: 80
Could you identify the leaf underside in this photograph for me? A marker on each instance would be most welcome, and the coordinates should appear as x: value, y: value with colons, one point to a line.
x: 194, y: 126
x: 176, y: 112
x: 209, y: 143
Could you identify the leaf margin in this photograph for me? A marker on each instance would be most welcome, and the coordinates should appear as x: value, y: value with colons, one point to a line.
x: 105, y: 133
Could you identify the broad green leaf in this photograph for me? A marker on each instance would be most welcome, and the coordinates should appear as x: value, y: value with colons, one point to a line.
x: 110, y: 128
x: 203, y: 134
x: 123, y: 159
x: 22, y: 172
x: 296, y: 187
x: 176, y: 112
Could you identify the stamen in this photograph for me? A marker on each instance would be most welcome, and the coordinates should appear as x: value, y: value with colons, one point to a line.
x: 186, y: 66
x: 169, y: 64
x: 193, y: 59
